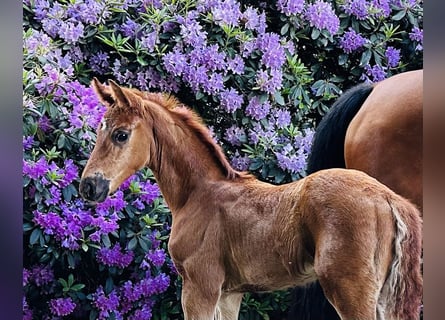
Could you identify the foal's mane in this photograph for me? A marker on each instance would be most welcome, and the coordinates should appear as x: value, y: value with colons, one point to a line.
x: 181, y: 112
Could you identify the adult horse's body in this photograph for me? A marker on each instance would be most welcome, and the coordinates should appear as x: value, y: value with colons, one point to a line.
x: 375, y: 128
x: 232, y: 233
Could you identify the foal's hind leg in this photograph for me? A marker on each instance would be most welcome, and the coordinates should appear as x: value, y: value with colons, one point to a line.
x: 351, y: 300
x: 350, y: 282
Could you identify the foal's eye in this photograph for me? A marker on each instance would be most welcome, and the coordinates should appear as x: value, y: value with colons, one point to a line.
x: 120, y: 136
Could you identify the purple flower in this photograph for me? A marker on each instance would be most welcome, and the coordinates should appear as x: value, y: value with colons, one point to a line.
x: 142, y: 314
x: 392, y: 56
x: 156, y: 257
x: 130, y: 28
x: 236, y: 65
x: 256, y: 109
x: 27, y: 313
x: 321, y: 15
x: 290, y: 7
x: 383, y: 8
x: 99, y: 62
x: 151, y: 286
x: 192, y: 33
x: 149, y: 192
x: 416, y: 34
x: 138, y: 204
x: 50, y: 222
x: 105, y: 304
x: 71, y: 32
x: 149, y: 41
x: 373, y: 74
x: 54, y: 196
x: 357, y: 8
x: 273, y: 55
x: 254, y: 21
x: 27, y: 142
x: 44, y: 123
x: 351, y: 41
x: 269, y: 83
x: 26, y: 276
x: 195, y: 77
x: 113, y: 257
x: 115, y: 202
x: 247, y: 47
x: 235, y: 136
x: 239, y: 162
x: 231, y: 100
x: 35, y: 170
x: 71, y: 173
x: 130, y: 292
x: 282, y: 118
x: 226, y: 12
x: 268, y: 136
x: 62, y: 306
x: 42, y: 275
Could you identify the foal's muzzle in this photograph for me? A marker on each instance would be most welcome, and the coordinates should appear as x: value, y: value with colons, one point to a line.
x: 94, y: 188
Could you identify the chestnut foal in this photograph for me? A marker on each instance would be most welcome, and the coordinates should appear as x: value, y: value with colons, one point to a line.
x: 233, y: 234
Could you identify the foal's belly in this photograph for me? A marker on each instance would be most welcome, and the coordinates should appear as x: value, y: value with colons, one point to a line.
x: 272, y: 278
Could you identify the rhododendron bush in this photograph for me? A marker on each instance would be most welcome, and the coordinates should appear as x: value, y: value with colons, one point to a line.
x: 261, y: 74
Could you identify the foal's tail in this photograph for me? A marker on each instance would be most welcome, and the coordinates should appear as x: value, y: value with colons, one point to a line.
x: 328, y: 144
x: 402, y: 292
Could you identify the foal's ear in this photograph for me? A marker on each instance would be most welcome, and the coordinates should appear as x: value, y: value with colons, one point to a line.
x: 118, y: 94
x: 103, y: 92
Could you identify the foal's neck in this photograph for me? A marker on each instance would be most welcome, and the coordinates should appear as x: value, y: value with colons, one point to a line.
x: 181, y: 163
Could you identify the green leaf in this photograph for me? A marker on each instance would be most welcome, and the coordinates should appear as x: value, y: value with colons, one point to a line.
x: 342, y: 59
x: 284, y: 29
x: 63, y: 282
x: 77, y: 287
x: 35, y: 235
x: 315, y: 34
x: 61, y: 141
x: 399, y: 16
x: 132, y: 243
x: 70, y: 280
x: 279, y: 98
x: 366, y: 56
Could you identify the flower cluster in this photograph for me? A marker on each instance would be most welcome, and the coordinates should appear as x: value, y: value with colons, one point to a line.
x: 131, y: 300
x: 62, y: 306
x: 351, y: 41
x: 115, y: 257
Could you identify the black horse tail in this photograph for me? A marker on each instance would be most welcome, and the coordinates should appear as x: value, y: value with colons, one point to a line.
x: 327, y: 151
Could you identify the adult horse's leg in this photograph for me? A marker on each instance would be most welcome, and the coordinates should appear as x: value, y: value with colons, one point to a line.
x: 228, y: 306
x: 310, y: 303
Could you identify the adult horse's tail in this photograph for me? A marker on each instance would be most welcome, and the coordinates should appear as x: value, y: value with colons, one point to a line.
x: 327, y: 151
x: 401, y: 294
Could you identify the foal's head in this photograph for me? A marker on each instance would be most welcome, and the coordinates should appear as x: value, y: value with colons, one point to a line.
x: 116, y: 155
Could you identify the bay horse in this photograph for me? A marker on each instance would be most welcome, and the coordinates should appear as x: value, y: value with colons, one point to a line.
x: 232, y: 233
x: 375, y: 128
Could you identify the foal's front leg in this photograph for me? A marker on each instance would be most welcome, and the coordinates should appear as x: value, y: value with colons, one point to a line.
x: 229, y: 305
x: 199, y: 300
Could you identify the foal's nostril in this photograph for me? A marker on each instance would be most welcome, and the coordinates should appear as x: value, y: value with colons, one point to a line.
x: 94, y: 188
x: 87, y: 189
x: 90, y: 190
